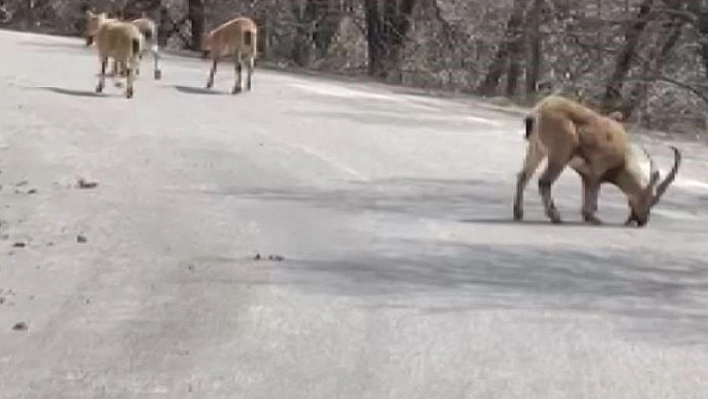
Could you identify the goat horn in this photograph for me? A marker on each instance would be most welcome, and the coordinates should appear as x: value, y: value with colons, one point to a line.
x: 661, y: 188
x: 652, y: 165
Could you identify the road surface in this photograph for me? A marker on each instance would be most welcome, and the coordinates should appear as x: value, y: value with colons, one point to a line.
x: 401, y: 274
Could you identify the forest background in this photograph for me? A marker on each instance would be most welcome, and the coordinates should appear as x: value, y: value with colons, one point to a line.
x: 646, y: 58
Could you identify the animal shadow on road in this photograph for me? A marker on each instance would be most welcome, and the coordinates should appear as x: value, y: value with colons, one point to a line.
x: 648, y: 290
x: 197, y: 90
x: 654, y: 296
x: 469, y: 201
x: 539, y: 222
x: 58, y: 46
x: 72, y: 92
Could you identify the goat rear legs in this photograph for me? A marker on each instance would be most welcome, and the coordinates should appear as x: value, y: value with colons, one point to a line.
x: 534, y: 156
x: 156, y: 61
x: 251, y: 66
x: 549, y: 176
x: 591, y: 191
x: 130, y: 78
x: 238, y: 69
x: 102, y: 76
x: 212, y: 72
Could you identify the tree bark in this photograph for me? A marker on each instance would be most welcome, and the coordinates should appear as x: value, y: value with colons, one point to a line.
x: 534, y: 66
x: 305, y: 14
x: 511, y: 41
x: 133, y: 9
x: 326, y: 26
x: 318, y: 21
x: 672, y: 32
x: 700, y: 12
x: 623, y: 63
x: 398, y: 21
x: 374, y: 38
x: 195, y: 12
x: 386, y: 33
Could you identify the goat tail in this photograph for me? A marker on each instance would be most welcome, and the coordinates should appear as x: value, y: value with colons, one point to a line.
x: 136, y: 45
x: 248, y: 38
x: 528, y: 123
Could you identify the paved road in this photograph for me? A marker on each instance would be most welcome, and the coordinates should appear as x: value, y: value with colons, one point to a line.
x: 402, y: 276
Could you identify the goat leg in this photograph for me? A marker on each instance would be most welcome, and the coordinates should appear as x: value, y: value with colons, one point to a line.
x: 102, y: 75
x: 549, y: 176
x: 591, y: 191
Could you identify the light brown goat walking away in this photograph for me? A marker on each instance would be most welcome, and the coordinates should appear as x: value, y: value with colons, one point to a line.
x: 119, y: 40
x: 147, y: 28
x: 597, y: 148
x: 236, y: 37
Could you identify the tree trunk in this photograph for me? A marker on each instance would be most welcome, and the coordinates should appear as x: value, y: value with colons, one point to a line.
x: 318, y: 21
x: 133, y: 9
x: 305, y: 14
x: 624, y: 59
x: 511, y: 39
x: 326, y: 26
x: 701, y: 14
x: 195, y: 11
x: 534, y: 66
x: 672, y: 31
x: 164, y: 26
x: 398, y: 21
x: 386, y: 33
x: 374, y: 38
x: 516, y: 48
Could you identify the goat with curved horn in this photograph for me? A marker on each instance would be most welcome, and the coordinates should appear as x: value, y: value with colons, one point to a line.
x: 596, y: 147
x: 652, y: 197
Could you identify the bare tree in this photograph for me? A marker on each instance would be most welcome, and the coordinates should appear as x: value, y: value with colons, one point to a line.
x: 387, y: 23
x: 648, y: 58
x: 533, y: 71
x: 508, y: 52
x: 195, y: 11
x: 624, y: 59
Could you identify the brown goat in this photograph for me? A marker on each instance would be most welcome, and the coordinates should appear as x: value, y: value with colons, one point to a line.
x: 121, y: 41
x: 147, y: 28
x: 597, y: 148
x: 235, y: 37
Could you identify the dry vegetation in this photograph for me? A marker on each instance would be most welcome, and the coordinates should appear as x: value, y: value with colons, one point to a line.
x: 648, y: 58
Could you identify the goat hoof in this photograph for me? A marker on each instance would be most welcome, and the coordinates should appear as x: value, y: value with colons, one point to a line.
x: 518, y: 213
x: 592, y: 219
x: 554, y: 215
x: 129, y: 92
x: 99, y: 89
x: 158, y: 75
x: 236, y: 90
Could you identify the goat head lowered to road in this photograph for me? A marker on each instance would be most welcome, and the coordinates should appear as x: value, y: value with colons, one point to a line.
x: 597, y: 148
